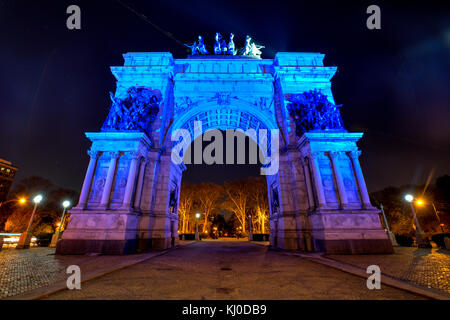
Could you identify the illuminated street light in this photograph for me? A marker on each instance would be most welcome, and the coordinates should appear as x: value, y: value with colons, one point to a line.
x: 37, y: 199
x: 419, y: 234
x: 421, y: 202
x: 21, y: 201
x: 57, y: 234
x: 25, y: 238
x: 197, y: 215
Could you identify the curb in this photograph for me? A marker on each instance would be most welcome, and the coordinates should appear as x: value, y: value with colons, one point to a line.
x: 405, y: 285
x: 61, y: 285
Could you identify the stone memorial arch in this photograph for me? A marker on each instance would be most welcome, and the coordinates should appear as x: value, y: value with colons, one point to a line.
x: 129, y: 199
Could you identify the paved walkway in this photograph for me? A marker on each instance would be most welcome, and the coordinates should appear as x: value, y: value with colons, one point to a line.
x: 426, y: 267
x: 32, y: 272
x: 229, y: 270
x: 216, y: 270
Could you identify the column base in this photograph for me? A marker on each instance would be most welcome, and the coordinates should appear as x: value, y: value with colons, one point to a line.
x: 285, y: 243
x: 24, y: 240
x: 106, y: 247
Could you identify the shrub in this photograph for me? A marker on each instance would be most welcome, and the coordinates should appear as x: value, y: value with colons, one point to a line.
x: 44, y: 239
x: 404, y: 240
x: 187, y: 236
x: 260, y: 237
x: 439, y: 239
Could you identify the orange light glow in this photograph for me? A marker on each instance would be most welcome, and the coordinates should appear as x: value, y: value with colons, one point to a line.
x: 419, y: 202
x: 22, y: 200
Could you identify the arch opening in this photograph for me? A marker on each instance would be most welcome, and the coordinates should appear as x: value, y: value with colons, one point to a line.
x: 232, y: 199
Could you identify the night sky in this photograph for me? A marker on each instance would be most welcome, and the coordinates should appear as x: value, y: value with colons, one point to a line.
x: 394, y: 83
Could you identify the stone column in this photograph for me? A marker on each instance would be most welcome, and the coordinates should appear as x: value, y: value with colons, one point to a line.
x: 109, y: 179
x: 318, y: 179
x: 84, y: 195
x: 131, y: 180
x: 140, y: 184
x: 340, y: 182
x: 360, y: 179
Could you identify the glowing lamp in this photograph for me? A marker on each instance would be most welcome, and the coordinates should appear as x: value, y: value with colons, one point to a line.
x: 409, y: 198
x: 66, y: 204
x: 197, y: 215
x: 37, y: 199
x: 22, y: 200
x: 419, y: 202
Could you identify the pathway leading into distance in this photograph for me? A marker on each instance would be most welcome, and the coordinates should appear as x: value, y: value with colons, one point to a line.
x: 229, y: 270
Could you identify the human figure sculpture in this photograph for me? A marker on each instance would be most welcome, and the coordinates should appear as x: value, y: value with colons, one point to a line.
x: 312, y: 111
x: 248, y: 46
x: 224, y: 47
x: 231, y: 48
x: 217, y: 44
x: 116, y: 111
x: 251, y: 49
x: 136, y: 112
x: 201, y: 48
x: 255, y: 50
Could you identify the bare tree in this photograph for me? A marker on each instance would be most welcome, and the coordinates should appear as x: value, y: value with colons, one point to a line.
x: 208, y: 195
x: 238, y: 199
x: 187, y: 198
x: 259, y: 203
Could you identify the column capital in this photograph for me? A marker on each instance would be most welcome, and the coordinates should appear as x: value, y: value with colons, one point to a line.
x: 333, y: 154
x: 135, y: 155
x: 93, y: 154
x: 354, y: 154
x: 115, y: 154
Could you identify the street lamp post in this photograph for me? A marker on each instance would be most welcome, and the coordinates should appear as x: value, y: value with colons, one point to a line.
x: 419, y: 235
x: 250, y: 233
x: 57, y: 234
x: 421, y: 202
x: 197, y: 215
x: 25, y: 238
x: 437, y: 216
x: 21, y: 201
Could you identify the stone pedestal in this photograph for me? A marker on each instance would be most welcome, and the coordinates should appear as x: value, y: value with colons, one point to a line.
x: 342, y: 220
x: 56, y: 236
x: 124, y: 204
x: 105, y: 220
x: 350, y: 232
x: 24, y: 240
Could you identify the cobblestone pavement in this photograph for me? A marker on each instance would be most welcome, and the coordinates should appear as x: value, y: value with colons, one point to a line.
x: 23, y: 270
x: 227, y: 270
x: 426, y: 267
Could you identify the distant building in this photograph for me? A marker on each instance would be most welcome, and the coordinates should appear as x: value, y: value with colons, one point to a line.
x: 7, y: 174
